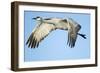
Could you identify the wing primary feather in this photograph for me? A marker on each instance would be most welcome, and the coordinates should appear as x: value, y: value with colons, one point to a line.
x: 68, y: 40
x: 27, y: 41
x: 72, y: 42
x: 34, y: 43
x: 37, y: 44
x: 30, y: 40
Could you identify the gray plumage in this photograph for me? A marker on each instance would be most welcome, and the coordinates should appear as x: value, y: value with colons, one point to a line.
x: 45, y: 26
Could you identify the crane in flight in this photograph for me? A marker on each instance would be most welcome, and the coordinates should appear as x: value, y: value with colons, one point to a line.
x: 47, y: 25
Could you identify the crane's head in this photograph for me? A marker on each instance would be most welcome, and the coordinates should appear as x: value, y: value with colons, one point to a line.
x: 37, y: 18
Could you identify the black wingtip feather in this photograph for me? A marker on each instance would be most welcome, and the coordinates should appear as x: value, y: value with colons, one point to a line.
x: 32, y: 42
x: 37, y: 44
x: 29, y: 43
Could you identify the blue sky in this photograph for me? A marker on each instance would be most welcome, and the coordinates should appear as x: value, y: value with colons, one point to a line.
x: 54, y: 46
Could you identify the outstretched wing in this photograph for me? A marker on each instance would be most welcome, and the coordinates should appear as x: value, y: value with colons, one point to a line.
x: 72, y: 34
x: 39, y: 34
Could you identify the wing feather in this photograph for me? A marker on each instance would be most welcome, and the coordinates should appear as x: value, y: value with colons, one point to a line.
x: 39, y: 34
x: 72, y: 34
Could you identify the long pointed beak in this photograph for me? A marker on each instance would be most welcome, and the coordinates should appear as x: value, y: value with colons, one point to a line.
x: 34, y: 18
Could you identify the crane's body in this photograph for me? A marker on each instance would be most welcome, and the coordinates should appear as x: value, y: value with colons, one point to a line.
x: 59, y: 23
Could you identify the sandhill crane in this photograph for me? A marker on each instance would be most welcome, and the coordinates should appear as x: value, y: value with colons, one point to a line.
x: 45, y: 26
